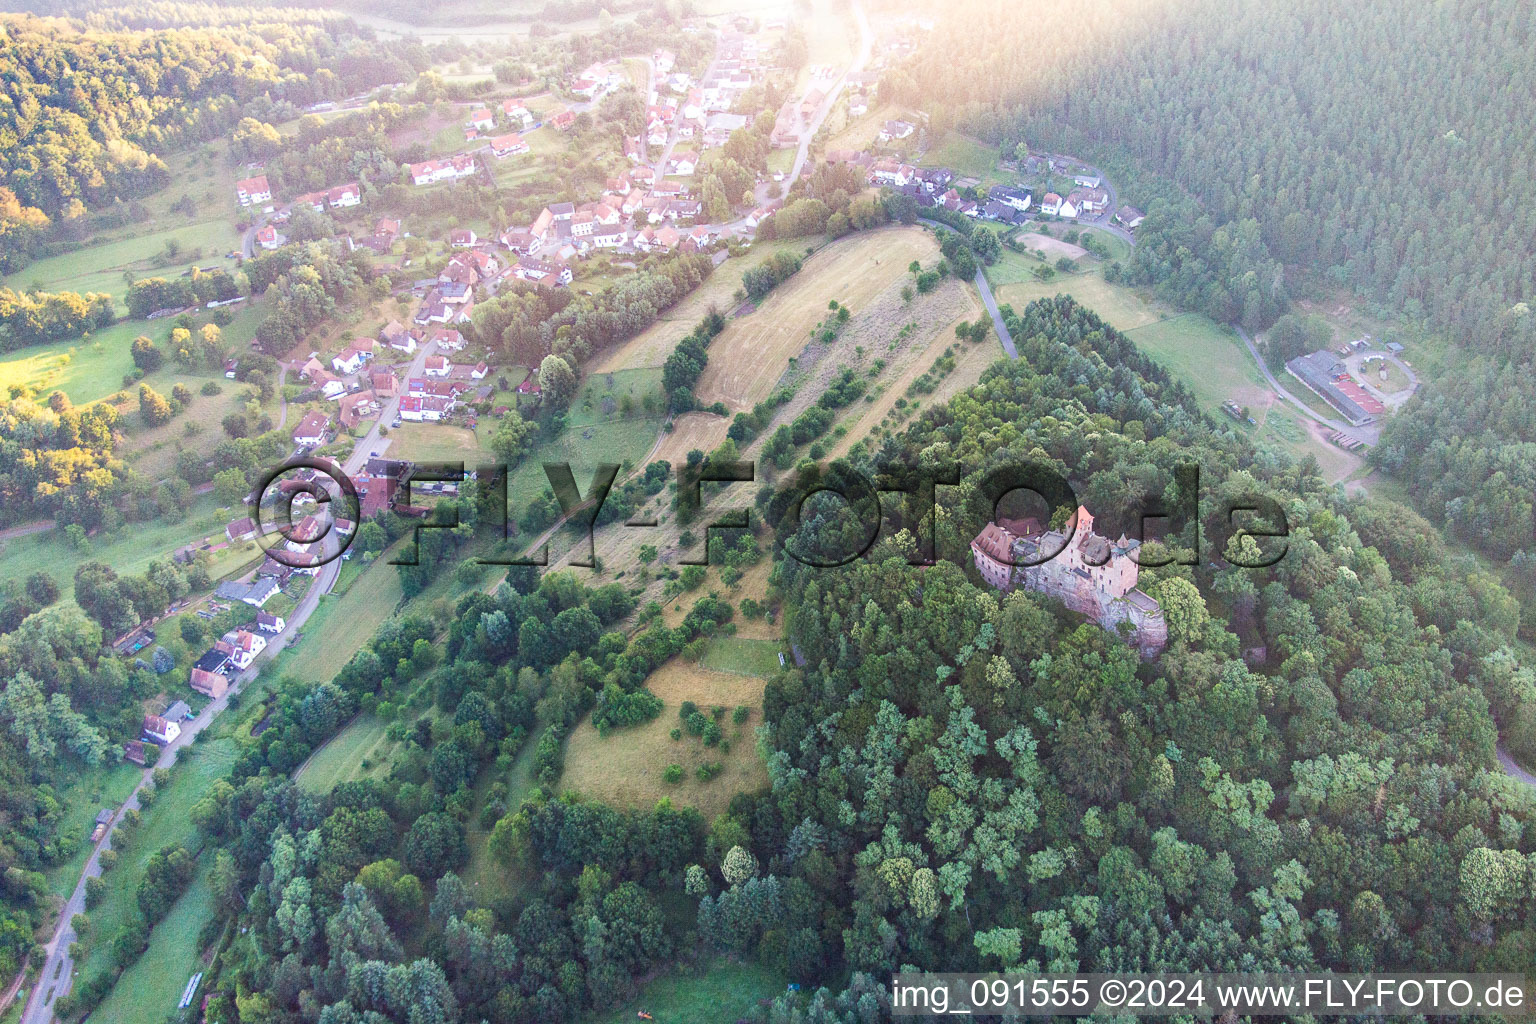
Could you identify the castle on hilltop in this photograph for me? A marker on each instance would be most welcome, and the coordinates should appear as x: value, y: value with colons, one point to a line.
x: 1090, y: 574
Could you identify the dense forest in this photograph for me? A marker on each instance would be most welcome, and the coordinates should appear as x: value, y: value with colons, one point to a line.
x: 961, y: 779
x: 1376, y: 149
x: 90, y: 107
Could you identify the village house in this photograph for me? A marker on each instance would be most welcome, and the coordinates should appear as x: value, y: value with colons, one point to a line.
x: 384, y: 383
x: 893, y: 131
x: 133, y: 751
x: 353, y: 409
x: 858, y: 105
x: 342, y: 196
x: 209, y: 684
x: 541, y: 271
x: 311, y: 429
x: 1088, y: 200
x: 430, y: 172
x: 269, y: 623
x: 436, y: 366
x: 397, y: 337
x: 247, y: 647
x: 1018, y: 198
x: 683, y: 163
x: 160, y: 731
x: 352, y: 358
x: 240, y: 529
x: 268, y: 238
x: 1051, y: 204
x: 1129, y: 217
x: 518, y: 114
x: 480, y: 119
x: 1087, y: 179
x: 385, y: 231
x: 429, y: 408
x: 461, y: 238
x: 508, y: 145
x: 253, y: 190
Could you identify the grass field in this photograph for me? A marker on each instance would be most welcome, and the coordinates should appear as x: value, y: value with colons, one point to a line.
x: 715, y: 992
x: 652, y: 346
x: 325, y: 646
x: 91, y: 368
x: 741, y: 656
x: 751, y: 354
x: 128, y: 550
x: 150, y: 989
x: 164, y: 823
x: 967, y: 157
x: 101, y: 268
x: 341, y: 760
x: 625, y: 767
x: 106, y: 785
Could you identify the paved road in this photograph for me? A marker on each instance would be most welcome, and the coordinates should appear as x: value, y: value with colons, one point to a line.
x: 372, y: 442
x: 997, y: 317
x: 58, y: 971
x: 1513, y: 770
x: 861, y: 58
x: 1300, y: 406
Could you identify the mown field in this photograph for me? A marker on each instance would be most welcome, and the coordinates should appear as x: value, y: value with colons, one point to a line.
x: 150, y: 989
x: 128, y: 550
x: 91, y: 368
x: 652, y: 346
x: 741, y: 656
x: 1207, y: 356
x: 625, y: 767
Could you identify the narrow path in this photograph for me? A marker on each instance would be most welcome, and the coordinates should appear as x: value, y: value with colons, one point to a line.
x: 983, y: 286
x: 1512, y: 768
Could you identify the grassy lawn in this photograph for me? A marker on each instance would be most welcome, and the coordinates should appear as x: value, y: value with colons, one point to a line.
x: 151, y: 988
x: 1012, y: 279
x: 164, y: 823
x: 91, y: 368
x: 341, y: 760
x: 716, y: 991
x: 966, y: 157
x: 437, y: 442
x: 625, y: 767
x: 128, y: 550
x: 1208, y: 356
x: 327, y: 644
x: 743, y: 657
x: 101, y: 267
x: 106, y: 785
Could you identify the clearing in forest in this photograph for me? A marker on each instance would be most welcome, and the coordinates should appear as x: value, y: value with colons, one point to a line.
x: 625, y: 767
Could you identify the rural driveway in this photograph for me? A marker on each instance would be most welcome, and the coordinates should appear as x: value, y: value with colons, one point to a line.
x: 997, y: 317
x: 1301, y: 407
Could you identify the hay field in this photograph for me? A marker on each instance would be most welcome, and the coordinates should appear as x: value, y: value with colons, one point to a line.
x: 749, y: 357
x: 625, y: 767
x: 652, y: 346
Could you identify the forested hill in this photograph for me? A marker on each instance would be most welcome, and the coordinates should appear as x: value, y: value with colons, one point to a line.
x: 965, y: 780
x: 90, y: 106
x: 1392, y: 152
x: 1392, y: 149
